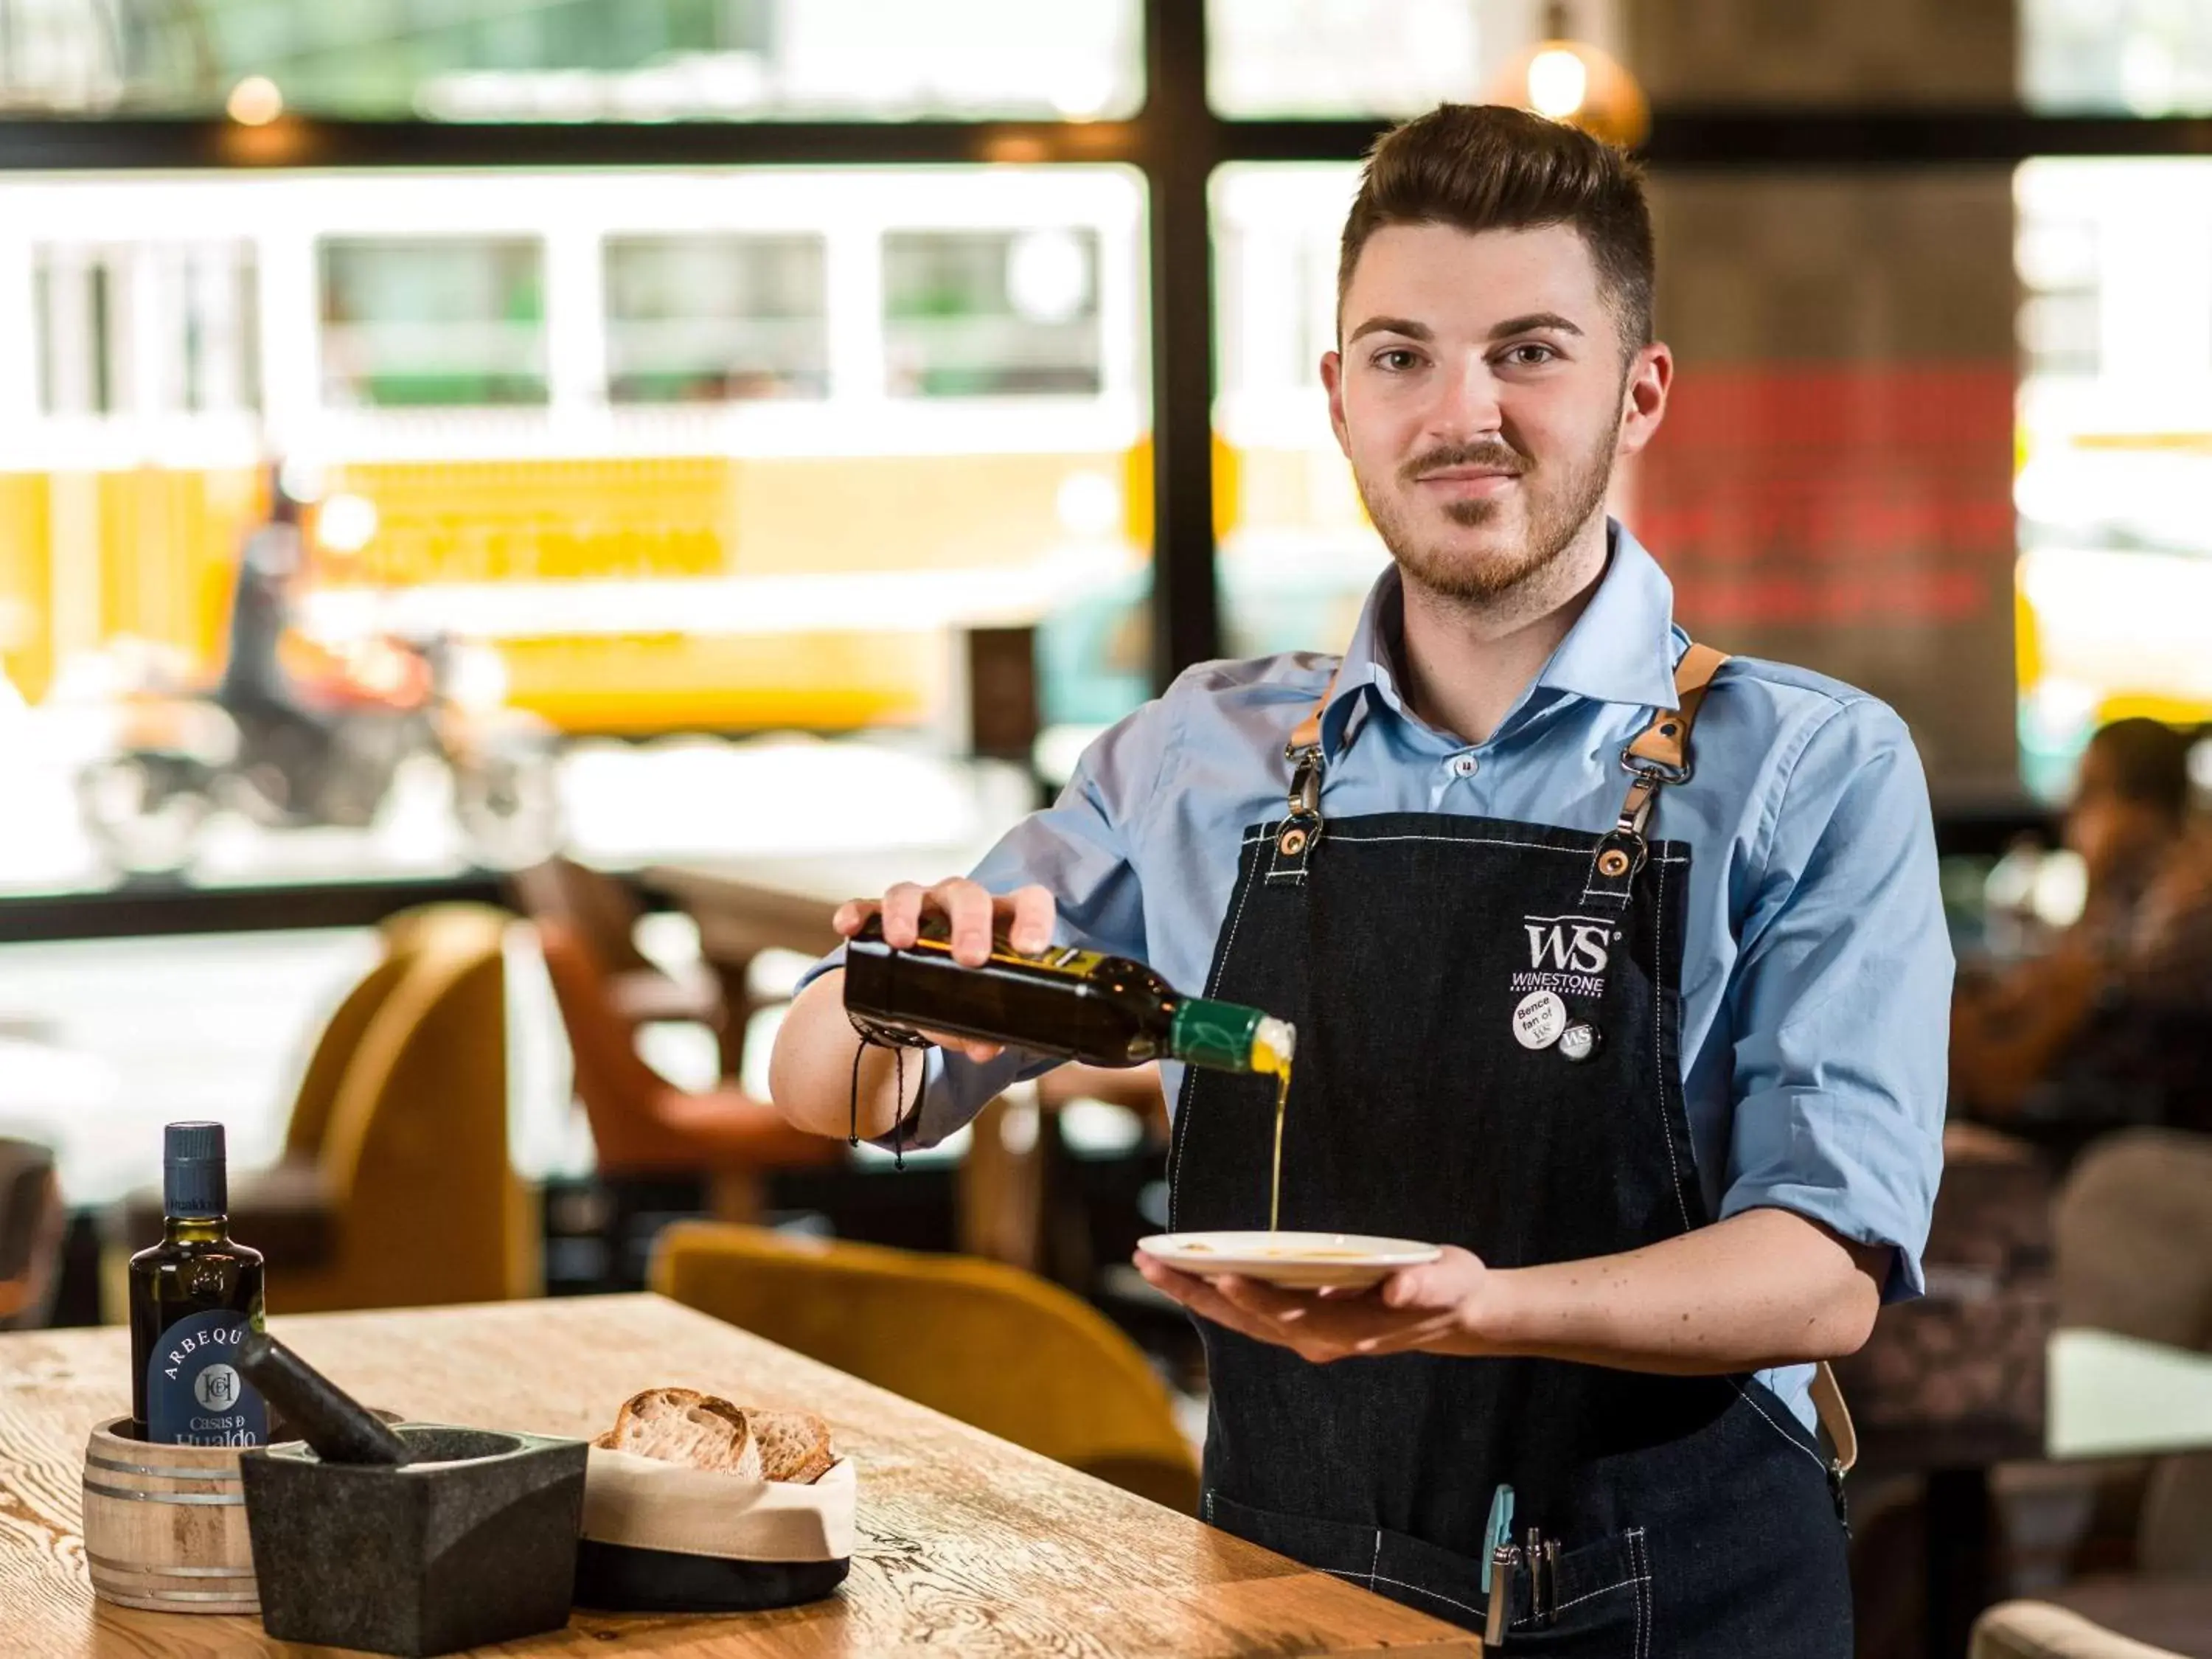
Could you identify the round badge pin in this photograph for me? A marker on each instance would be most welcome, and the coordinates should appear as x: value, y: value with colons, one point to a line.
x: 1539, y: 1019
x: 1579, y: 1040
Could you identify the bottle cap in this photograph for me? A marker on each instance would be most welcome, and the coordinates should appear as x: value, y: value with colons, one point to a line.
x: 193, y: 1178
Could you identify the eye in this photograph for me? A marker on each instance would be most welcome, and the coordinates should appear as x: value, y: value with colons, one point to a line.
x: 1395, y: 359
x: 1531, y: 354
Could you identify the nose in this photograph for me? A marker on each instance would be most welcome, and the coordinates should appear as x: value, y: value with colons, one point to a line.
x: 1465, y: 406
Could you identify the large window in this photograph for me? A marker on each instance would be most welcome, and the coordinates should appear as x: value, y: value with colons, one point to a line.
x: 694, y: 457
x: 1297, y: 553
x: 2130, y: 57
x: 982, y: 312
x: 432, y: 321
x: 1349, y: 57
x: 2115, y: 441
x: 153, y: 327
x: 587, y: 60
x: 712, y: 318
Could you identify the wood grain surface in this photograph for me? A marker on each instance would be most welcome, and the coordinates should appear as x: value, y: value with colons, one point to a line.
x: 968, y: 1544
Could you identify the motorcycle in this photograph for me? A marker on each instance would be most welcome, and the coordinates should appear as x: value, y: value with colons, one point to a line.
x: 181, y: 756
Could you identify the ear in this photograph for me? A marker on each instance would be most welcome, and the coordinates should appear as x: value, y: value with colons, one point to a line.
x: 1643, y: 398
x: 1332, y: 377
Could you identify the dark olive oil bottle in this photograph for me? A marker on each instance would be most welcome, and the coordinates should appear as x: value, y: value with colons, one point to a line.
x: 1108, y: 1010
x: 194, y: 1298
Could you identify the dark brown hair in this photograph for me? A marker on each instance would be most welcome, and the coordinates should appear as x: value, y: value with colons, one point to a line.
x: 2149, y: 762
x: 1486, y: 167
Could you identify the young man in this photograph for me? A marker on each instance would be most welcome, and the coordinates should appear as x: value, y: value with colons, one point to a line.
x: 1647, y: 1027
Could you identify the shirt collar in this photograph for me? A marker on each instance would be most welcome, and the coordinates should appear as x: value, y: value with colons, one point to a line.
x: 1622, y: 649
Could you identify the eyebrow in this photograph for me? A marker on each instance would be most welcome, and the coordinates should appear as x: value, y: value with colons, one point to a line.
x: 1405, y: 325
x: 1533, y: 321
x: 1422, y: 331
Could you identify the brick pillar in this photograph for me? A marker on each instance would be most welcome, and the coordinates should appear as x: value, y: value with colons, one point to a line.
x: 1832, y: 486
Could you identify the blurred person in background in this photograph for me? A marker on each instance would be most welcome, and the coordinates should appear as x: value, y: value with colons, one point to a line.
x: 2112, y: 1025
x: 294, y: 694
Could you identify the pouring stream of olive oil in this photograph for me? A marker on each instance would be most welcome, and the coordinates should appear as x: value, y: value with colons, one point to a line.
x: 1268, y: 1061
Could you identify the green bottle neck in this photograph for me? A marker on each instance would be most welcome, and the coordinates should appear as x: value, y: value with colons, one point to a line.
x: 1225, y: 1037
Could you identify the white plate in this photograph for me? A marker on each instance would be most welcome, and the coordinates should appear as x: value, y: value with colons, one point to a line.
x: 1298, y: 1261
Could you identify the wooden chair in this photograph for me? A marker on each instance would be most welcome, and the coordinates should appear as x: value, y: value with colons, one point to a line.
x: 602, y: 915
x: 31, y: 1221
x: 642, y: 1125
x: 396, y: 1187
x: 989, y: 1345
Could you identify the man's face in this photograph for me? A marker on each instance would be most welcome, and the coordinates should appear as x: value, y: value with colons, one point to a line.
x: 1481, y: 397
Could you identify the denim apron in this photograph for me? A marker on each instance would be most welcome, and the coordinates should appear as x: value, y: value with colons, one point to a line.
x: 1487, y: 1015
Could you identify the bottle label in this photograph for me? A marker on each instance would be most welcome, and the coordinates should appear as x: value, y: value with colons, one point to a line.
x: 195, y: 1393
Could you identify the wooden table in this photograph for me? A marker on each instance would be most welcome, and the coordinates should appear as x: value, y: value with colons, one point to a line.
x: 967, y: 1544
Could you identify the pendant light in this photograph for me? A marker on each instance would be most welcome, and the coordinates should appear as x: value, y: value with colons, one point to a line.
x: 1572, y: 80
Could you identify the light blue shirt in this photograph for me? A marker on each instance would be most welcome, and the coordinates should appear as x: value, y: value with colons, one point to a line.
x: 1816, y: 971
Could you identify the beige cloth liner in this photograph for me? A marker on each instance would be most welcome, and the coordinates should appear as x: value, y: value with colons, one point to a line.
x: 647, y: 1503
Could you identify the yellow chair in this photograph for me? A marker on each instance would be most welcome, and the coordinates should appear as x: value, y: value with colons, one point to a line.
x: 413, y: 1163
x: 396, y: 1189
x: 402, y: 933
x: 989, y: 1345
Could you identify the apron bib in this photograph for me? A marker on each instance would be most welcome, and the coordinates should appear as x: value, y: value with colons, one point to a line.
x: 1487, y: 1015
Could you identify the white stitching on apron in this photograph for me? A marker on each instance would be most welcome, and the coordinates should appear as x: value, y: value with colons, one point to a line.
x: 1643, y: 1564
x: 1801, y: 1448
x: 1418, y: 1589
x: 1377, y: 1562
x: 1457, y: 841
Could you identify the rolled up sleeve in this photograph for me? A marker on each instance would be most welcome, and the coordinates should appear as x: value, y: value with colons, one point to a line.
x: 1841, y: 999
x: 1078, y: 850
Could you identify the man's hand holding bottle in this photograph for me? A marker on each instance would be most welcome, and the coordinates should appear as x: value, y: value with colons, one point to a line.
x: 974, y: 916
x: 819, y: 1060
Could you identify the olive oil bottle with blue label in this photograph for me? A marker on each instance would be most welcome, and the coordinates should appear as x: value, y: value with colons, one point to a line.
x: 194, y: 1298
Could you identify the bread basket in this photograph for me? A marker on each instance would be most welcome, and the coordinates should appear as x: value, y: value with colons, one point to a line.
x: 662, y: 1537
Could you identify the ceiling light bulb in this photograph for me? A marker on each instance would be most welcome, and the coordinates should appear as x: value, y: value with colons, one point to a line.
x: 1558, y: 82
x: 255, y: 101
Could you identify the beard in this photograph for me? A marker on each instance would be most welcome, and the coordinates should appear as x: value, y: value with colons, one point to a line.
x: 1558, y: 508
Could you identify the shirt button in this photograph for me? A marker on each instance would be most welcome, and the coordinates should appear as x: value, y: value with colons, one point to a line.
x: 1464, y: 766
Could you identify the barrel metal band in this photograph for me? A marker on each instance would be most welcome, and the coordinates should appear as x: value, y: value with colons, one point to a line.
x: 227, y: 1499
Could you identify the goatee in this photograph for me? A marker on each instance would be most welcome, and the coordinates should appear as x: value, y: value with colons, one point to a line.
x: 1556, y: 514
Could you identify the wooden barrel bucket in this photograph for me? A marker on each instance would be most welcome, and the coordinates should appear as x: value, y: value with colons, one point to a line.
x: 165, y: 1526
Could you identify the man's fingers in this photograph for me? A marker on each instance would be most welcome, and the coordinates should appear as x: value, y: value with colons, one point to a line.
x: 901, y: 915
x: 1032, y: 910
x: 1284, y: 1307
x: 852, y: 915
x: 971, y: 912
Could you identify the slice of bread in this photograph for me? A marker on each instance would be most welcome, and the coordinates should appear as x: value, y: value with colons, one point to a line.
x: 682, y: 1425
x: 794, y: 1446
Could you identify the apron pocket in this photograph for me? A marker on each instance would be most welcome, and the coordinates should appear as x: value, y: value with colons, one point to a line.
x: 1604, y: 1590
x: 1603, y: 1604
x: 1433, y: 1581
